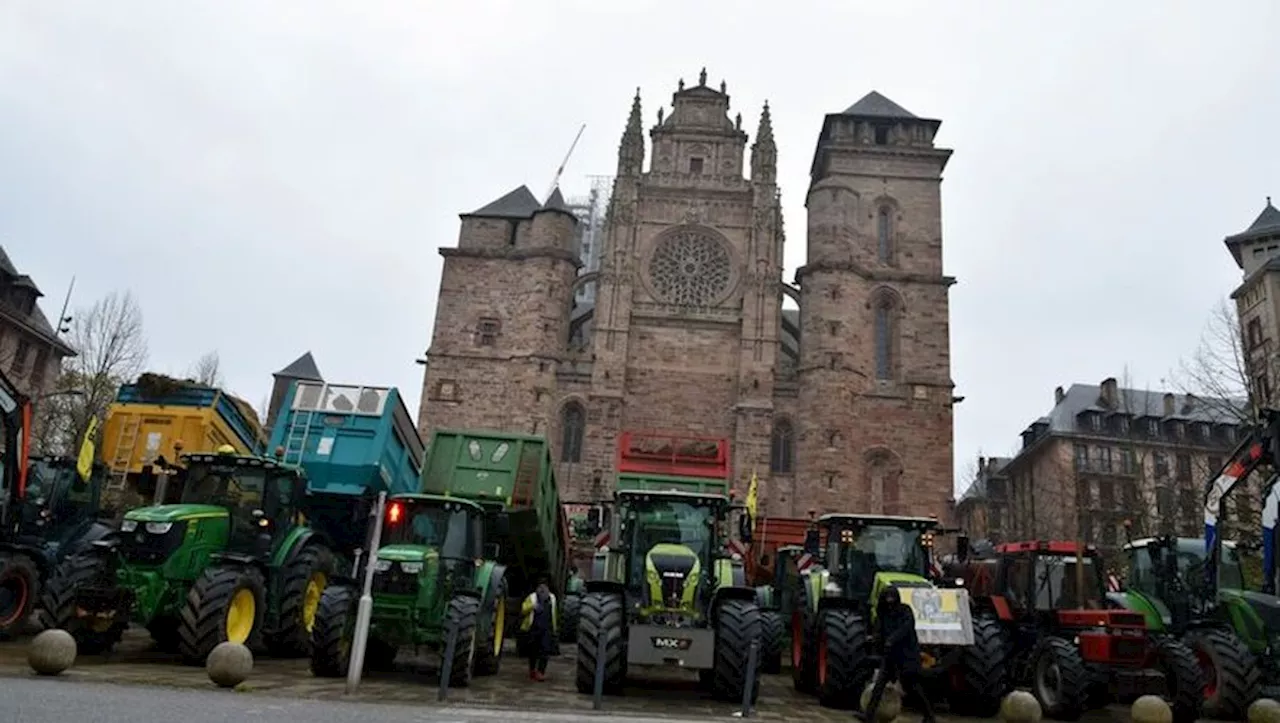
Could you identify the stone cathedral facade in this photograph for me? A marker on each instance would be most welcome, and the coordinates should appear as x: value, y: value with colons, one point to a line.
x: 843, y: 405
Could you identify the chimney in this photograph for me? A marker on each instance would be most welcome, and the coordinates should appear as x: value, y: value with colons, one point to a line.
x: 982, y: 465
x: 1169, y: 403
x: 1188, y: 403
x: 1058, y: 396
x: 1110, y: 395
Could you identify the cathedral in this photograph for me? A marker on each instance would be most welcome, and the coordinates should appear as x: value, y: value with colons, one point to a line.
x: 842, y: 405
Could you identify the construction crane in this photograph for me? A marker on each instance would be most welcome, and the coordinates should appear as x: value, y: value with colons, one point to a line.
x: 560, y: 171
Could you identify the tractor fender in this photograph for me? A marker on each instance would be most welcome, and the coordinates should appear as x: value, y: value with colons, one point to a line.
x: 488, y: 579
x: 605, y: 586
x: 96, y: 531
x: 296, y: 539
x: 730, y: 573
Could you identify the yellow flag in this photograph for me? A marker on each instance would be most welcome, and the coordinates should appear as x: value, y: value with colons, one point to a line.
x: 84, y: 465
x: 751, y: 495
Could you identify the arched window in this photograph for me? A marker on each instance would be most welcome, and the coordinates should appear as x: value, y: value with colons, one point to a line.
x: 884, y: 235
x: 573, y: 425
x: 885, y: 321
x: 782, y: 448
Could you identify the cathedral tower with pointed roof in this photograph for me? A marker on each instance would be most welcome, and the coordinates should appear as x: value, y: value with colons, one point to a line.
x: 845, y: 404
x: 1256, y: 251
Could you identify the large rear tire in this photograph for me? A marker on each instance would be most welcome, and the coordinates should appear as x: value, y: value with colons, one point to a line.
x: 1232, y: 680
x: 461, y: 616
x: 804, y: 649
x: 1184, y: 685
x: 494, y: 637
x: 842, y: 664
x: 570, y: 613
x: 93, y: 636
x: 225, y: 604
x: 602, y: 632
x: 1060, y: 681
x: 19, y: 591
x: 305, y: 577
x: 332, y: 633
x: 737, y: 626
x: 982, y: 678
x: 770, y: 641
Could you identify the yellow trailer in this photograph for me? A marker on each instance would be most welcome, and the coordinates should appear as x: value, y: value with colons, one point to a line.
x: 158, y: 417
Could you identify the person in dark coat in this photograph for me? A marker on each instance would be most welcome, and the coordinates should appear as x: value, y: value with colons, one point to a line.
x: 896, y: 631
x: 539, y: 624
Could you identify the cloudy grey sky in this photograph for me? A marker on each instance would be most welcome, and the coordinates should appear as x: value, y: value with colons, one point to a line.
x: 272, y: 177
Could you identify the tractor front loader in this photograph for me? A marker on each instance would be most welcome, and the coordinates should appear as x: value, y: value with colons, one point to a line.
x: 234, y: 560
x: 833, y: 620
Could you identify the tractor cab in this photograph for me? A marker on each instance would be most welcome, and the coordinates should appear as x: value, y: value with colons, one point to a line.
x: 59, y: 502
x: 1171, y: 572
x: 670, y: 541
x: 1048, y: 577
x: 865, y: 553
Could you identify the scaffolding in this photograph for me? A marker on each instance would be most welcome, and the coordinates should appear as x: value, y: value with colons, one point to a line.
x: 591, y: 210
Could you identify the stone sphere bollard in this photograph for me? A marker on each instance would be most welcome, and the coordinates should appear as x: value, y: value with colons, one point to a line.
x: 1020, y: 707
x: 1151, y: 709
x: 890, y: 703
x: 229, y: 664
x: 1264, y: 710
x: 51, y: 652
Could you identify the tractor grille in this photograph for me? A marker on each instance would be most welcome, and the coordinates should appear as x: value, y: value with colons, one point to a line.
x: 395, y: 582
x: 144, y: 548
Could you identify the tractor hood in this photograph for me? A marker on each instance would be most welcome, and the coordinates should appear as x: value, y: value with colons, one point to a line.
x: 1267, y: 607
x: 406, y: 553
x: 673, y: 573
x: 175, y: 513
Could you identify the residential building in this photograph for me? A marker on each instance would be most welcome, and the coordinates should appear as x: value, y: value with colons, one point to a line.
x: 1105, y: 455
x: 845, y: 405
x: 31, y: 351
x: 1256, y: 251
x: 982, y: 512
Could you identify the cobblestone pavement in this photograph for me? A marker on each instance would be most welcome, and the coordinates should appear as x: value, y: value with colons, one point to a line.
x: 415, y: 682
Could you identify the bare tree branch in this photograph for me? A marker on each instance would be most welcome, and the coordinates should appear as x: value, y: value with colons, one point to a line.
x: 1217, y: 373
x: 207, y: 370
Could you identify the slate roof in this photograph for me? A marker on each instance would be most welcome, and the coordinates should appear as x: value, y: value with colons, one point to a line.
x: 35, y: 322
x: 1138, y: 403
x: 1266, y: 224
x: 875, y: 105
x: 520, y: 203
x: 304, y: 367
x: 556, y: 201
x: 978, y: 488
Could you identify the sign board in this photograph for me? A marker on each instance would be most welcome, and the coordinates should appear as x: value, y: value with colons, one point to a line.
x: 942, y: 615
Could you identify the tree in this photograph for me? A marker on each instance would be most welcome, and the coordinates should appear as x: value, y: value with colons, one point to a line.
x: 207, y: 370
x: 112, y: 350
x: 1218, y: 370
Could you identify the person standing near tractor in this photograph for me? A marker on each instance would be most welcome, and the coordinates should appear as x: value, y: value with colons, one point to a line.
x: 896, y: 630
x: 538, y: 623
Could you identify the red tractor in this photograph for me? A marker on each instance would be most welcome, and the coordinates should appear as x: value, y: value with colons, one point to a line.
x: 1065, y: 641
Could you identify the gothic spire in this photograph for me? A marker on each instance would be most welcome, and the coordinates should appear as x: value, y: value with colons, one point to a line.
x: 764, y: 152
x: 631, y: 150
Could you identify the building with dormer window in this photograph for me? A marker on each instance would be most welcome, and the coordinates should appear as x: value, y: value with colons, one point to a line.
x: 31, y: 350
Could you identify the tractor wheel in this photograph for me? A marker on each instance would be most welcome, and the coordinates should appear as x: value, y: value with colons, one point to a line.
x: 602, y: 632
x: 770, y: 641
x: 804, y: 649
x: 305, y: 577
x: 1229, y: 671
x: 842, y: 658
x: 334, y: 628
x: 93, y: 636
x: 1059, y: 680
x: 737, y: 626
x: 980, y: 679
x: 461, y: 615
x: 19, y: 590
x: 164, y: 631
x: 493, y: 635
x: 1184, y: 686
x: 225, y: 604
x: 569, y: 615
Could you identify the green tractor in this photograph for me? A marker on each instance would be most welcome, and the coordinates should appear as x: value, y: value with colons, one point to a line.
x: 776, y: 601
x: 832, y: 623
x: 233, y: 560
x: 432, y: 572
x: 1235, y: 634
x: 668, y: 593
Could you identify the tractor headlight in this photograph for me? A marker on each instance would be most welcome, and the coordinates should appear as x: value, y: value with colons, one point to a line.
x: 412, y: 568
x: 159, y: 528
x: 128, y: 525
x: 831, y: 589
x: 381, y: 565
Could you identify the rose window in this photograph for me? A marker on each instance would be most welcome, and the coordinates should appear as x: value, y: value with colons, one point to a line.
x: 689, y: 268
